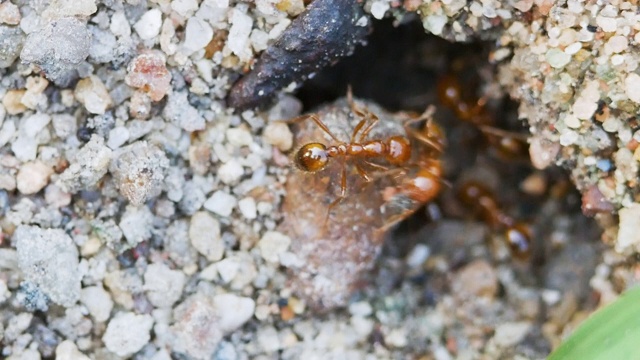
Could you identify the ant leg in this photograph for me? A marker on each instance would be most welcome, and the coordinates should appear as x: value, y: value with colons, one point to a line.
x: 363, y: 173
x: 343, y: 189
x: 356, y: 130
x: 352, y: 104
x: 318, y: 122
x: 366, y: 131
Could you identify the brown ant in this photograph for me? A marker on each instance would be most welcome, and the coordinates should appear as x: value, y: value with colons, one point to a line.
x: 396, y: 150
x: 517, y: 234
x: 508, y: 145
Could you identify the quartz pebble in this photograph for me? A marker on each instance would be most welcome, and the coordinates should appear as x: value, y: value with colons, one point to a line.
x: 149, y: 73
x: 64, y: 8
x: 279, y: 135
x: 628, y: 236
x: 9, y: 14
x: 510, y: 334
x: 197, y: 35
x: 127, y: 333
x: 11, y: 44
x: 248, y: 209
x: 136, y: 225
x: 58, y: 48
x: 92, y: 93
x: 148, y: 27
x: 12, y: 102
x: 90, y: 165
x: 98, y: 302
x: 182, y: 114
x: 230, y: 172
x: 163, y: 285
x: 272, y: 244
x: 201, y: 322
x: 33, y: 177
x: 221, y: 203
x: 49, y: 259
x: 139, y: 171
x: 67, y: 350
x: 204, y: 233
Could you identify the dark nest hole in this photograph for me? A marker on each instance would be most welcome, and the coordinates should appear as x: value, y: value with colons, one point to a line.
x: 399, y: 68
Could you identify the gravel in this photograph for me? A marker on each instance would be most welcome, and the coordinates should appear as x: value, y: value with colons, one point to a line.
x: 143, y: 217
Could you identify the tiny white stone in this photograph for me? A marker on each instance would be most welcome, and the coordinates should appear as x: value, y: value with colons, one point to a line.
x: 418, y: 255
x: 607, y: 24
x: 435, y: 23
x: 573, y: 48
x: 119, y: 24
x: 204, y: 233
x: 197, y: 34
x: 230, y: 172
x: 67, y: 350
x: 272, y: 244
x: 557, y: 58
x: 33, y: 177
x: 238, y: 39
x: 248, y: 208
x: 279, y: 135
x: 632, y: 87
x: 233, y: 310
x: 628, y: 234
x: 148, y: 27
x: 98, y: 302
x: 239, y: 136
x: 163, y: 285
x: 227, y: 269
x: 510, y: 334
x: 118, y: 136
x: 616, y: 44
x: 127, y: 333
x: 379, y: 8
x: 221, y: 203
x: 184, y: 8
x: 572, y: 121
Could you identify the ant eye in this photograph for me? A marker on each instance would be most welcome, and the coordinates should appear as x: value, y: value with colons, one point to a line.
x: 312, y: 157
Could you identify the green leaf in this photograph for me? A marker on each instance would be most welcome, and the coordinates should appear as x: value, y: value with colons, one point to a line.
x: 612, y: 332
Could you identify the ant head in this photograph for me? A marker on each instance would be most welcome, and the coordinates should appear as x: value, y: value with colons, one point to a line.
x: 312, y: 157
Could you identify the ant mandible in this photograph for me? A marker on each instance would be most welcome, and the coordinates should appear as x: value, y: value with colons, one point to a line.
x: 396, y: 150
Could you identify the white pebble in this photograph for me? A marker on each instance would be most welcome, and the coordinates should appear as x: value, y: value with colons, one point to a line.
x: 509, y: 334
x: 632, y: 87
x: 616, y: 45
x: 272, y: 244
x: 119, y: 24
x: 230, y: 172
x: 248, y: 208
x: 197, y: 35
x: 98, y: 302
x: 67, y: 350
x: 238, y: 39
x: 239, y: 136
x: 184, y: 8
x: 149, y: 24
x: 379, y: 8
x: 118, y: 136
x: 234, y: 311
x: 92, y: 93
x: 127, y: 333
x: 557, y: 58
x: 279, y: 135
x: 221, y: 203
x: 163, y: 285
x: 204, y: 233
x: 628, y: 234
x: 33, y: 177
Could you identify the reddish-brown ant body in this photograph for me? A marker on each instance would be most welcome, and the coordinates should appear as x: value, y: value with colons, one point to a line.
x: 396, y: 150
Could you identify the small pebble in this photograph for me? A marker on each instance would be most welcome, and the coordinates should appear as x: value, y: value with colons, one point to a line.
x: 272, y: 244
x: 148, y: 27
x: 230, y: 172
x: 9, y: 13
x: 98, y: 302
x: 49, y: 259
x: 221, y: 203
x: 92, y: 93
x: 509, y: 334
x: 67, y: 350
x: 163, y: 285
x: 247, y: 207
x: 149, y: 73
x: 279, y: 135
x: 204, y: 233
x: 33, y: 177
x: 127, y: 333
x: 90, y: 165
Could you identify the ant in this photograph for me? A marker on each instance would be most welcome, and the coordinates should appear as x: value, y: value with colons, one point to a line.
x: 517, y: 234
x: 396, y: 150
x: 508, y: 145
